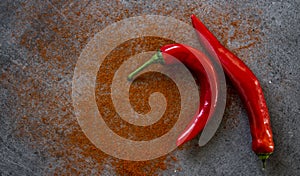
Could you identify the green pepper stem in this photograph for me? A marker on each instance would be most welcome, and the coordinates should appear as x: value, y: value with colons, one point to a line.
x: 157, y: 58
x: 263, y: 158
x: 264, y: 163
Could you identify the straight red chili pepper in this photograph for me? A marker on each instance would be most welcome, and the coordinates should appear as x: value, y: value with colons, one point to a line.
x: 248, y: 88
x: 195, y: 61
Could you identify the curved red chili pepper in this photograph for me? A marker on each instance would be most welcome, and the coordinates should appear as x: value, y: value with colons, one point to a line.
x: 195, y: 61
x: 201, y: 67
x: 248, y: 87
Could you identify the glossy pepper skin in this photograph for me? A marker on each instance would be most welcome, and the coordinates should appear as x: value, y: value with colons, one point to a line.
x: 191, y: 57
x: 248, y: 88
x: 195, y: 61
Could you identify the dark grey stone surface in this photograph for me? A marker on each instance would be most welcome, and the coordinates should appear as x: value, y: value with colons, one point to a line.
x: 40, y: 42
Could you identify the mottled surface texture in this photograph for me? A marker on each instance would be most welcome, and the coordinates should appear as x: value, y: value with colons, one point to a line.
x: 40, y: 42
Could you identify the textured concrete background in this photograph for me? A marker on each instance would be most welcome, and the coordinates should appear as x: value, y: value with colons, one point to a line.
x: 39, y: 46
